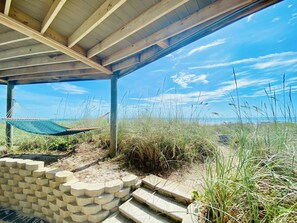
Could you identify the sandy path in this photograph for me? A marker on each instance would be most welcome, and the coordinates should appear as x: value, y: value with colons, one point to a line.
x: 88, y: 165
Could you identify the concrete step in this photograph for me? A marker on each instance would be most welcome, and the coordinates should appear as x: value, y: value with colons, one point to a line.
x: 168, y: 188
x: 140, y: 213
x: 117, y: 218
x: 160, y: 203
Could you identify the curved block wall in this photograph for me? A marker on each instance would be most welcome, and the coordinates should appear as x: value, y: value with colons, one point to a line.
x: 56, y: 195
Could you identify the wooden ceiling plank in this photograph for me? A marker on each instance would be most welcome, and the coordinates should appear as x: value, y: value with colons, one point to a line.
x: 51, y: 14
x: 18, y: 26
x: 102, y: 13
x: 7, y: 6
x: 214, y: 10
x: 25, y: 51
x: 53, y: 74
x: 12, y: 37
x: 36, y: 25
x: 149, y: 16
x: 38, y: 61
x: 44, y: 69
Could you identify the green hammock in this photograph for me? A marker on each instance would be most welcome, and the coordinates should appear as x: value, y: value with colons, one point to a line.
x: 44, y: 127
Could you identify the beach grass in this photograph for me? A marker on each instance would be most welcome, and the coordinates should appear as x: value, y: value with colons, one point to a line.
x: 251, y: 174
x: 257, y: 181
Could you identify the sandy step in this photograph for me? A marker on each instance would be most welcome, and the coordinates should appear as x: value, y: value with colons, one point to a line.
x: 168, y: 188
x: 117, y: 218
x: 140, y: 213
x: 161, y: 203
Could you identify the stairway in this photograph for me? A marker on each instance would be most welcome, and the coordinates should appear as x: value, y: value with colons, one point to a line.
x: 156, y: 201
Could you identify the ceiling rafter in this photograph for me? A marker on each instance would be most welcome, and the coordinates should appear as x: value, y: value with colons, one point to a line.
x: 61, y: 78
x: 51, y: 14
x: 101, y: 14
x: 218, y: 8
x: 149, y: 16
x: 37, y: 61
x: 149, y: 55
x: 136, y: 59
x: 7, y: 6
x: 53, y: 74
x: 44, y: 69
x: 33, y: 33
x: 25, y: 51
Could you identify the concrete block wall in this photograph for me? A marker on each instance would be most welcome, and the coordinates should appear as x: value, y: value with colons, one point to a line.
x: 56, y: 195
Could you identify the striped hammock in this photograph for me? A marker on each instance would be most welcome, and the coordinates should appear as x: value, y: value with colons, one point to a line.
x: 44, y: 127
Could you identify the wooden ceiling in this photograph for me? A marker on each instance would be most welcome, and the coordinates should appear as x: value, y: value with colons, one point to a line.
x: 67, y: 40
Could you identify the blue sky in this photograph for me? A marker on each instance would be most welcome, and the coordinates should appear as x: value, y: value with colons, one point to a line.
x: 261, y: 48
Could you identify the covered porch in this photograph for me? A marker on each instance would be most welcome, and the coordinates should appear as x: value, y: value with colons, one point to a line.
x: 57, y: 41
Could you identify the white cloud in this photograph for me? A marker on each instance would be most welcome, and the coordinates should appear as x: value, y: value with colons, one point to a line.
x: 275, y: 63
x: 204, y: 47
x: 281, y: 40
x: 279, y: 56
x: 184, y: 79
x: 289, y: 6
x: 160, y: 70
x: 250, y: 17
x: 275, y: 19
x: 170, y: 89
x: 293, y: 18
x: 67, y: 88
x: 292, y: 79
x: 198, y: 96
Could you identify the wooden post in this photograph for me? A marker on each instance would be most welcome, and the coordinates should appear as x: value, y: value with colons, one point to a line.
x: 9, y: 113
x: 113, y: 114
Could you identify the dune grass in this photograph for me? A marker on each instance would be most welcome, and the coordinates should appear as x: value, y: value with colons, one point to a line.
x: 256, y: 181
x: 158, y: 145
x: 149, y: 144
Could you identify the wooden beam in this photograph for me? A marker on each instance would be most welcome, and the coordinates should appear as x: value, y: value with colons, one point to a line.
x: 17, y: 25
x: 198, y: 32
x: 216, y: 9
x: 64, y: 79
x: 53, y: 74
x: 149, y: 16
x: 126, y: 63
x: 131, y: 61
x: 102, y: 13
x: 113, y: 115
x: 38, y: 61
x: 3, y: 81
x: 25, y: 51
x: 51, y: 14
x: 27, y: 20
x: 9, y: 113
x: 12, y: 37
x: 163, y: 44
x: 44, y: 69
x: 7, y: 6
